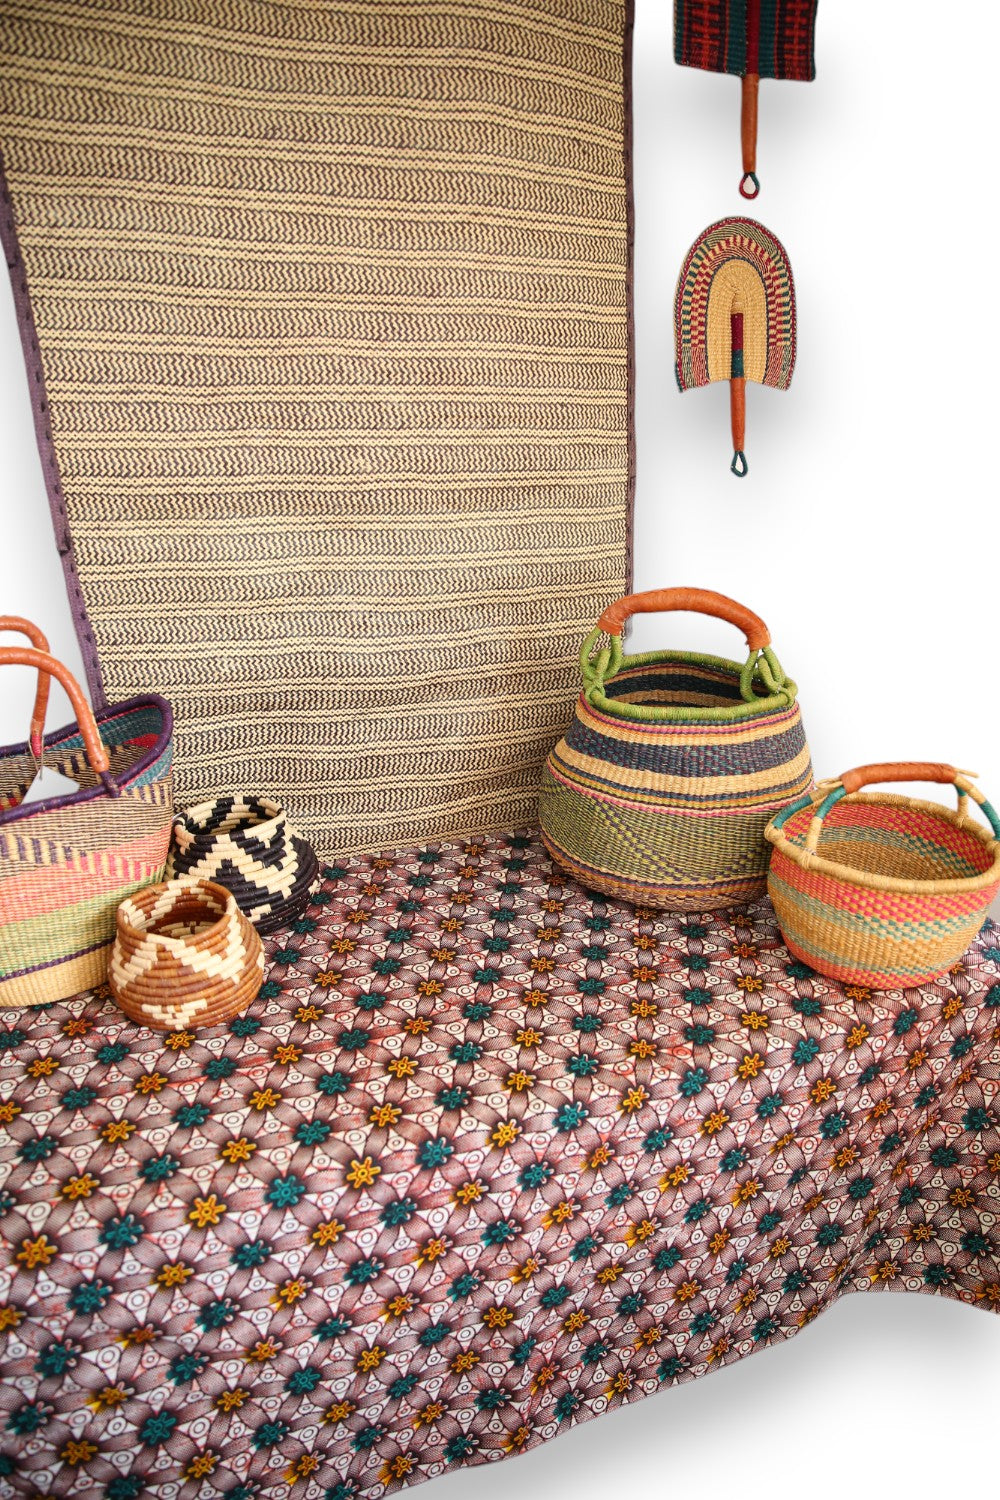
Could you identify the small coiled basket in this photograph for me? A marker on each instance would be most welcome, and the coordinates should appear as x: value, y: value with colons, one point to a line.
x: 184, y: 954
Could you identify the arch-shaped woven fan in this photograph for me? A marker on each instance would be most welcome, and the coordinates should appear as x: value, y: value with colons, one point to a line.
x: 735, y: 316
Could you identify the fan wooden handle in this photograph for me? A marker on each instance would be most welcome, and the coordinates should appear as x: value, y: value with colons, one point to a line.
x: 898, y: 770
x: 748, y: 134
x: 698, y: 601
x: 36, y: 734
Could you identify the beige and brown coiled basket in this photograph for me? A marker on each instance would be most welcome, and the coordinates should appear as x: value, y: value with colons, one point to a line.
x: 184, y: 955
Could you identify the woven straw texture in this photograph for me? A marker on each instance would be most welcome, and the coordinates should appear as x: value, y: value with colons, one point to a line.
x: 184, y: 955
x: 247, y: 845
x: 67, y: 863
x: 330, y: 310
x: 895, y: 894
x: 486, y: 1158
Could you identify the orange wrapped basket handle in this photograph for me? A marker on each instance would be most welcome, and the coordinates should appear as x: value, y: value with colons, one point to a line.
x: 698, y: 601
x: 48, y: 666
x: 40, y: 642
x: 898, y: 770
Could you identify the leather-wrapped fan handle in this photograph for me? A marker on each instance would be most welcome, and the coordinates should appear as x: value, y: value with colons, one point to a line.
x: 40, y: 642
x: 898, y: 770
x: 698, y: 601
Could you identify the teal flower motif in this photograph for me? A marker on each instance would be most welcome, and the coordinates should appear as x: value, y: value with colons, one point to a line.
x: 344, y: 1489
x: 402, y: 1387
x: 58, y: 1357
x: 696, y: 962
x: 463, y: 1286
x: 693, y: 930
x: 583, y: 1065
x: 595, y: 1352
x: 129, y: 1487
x: 29, y: 1418
x: 158, y: 1428
x: 285, y: 956
x: 670, y: 1368
x: 217, y: 1314
x: 807, y: 1005
x: 697, y: 996
x: 396, y: 935
x: 587, y: 1024
x: 658, y: 1139
x: 303, y: 1382
x: 733, y: 1160
x: 869, y: 1074
x: 704, y: 1321
x: 269, y: 1433
x: 764, y: 1328
x: 253, y: 1253
x: 567, y: 1404
x: 220, y: 1067
x: 399, y: 1211
x: 89, y: 1296
x: 795, y: 1280
x: 536, y: 1174
x: 804, y: 1051
x: 120, y: 1232
x: 190, y: 1115
x: 769, y: 1221
x: 692, y: 1082
x: 463, y: 1445
x: 78, y: 1098
x: 355, y: 1039
x: 478, y: 1010
x: 960, y: 1047
x: 631, y: 1303
x: 486, y: 975
x: 926, y: 1096
x: 570, y: 1117
x: 304, y: 925
x: 360, y: 1271
x: 768, y: 1106
x: 697, y: 1210
x: 699, y: 1036
x: 285, y: 1192
x: 501, y: 1232
x: 39, y: 1148
x: 975, y: 1243
x: 828, y: 1235
x: 492, y: 1398
x: 387, y: 966
x: 335, y: 1328
x: 523, y: 1352
x: 584, y: 1247
x: 496, y: 944
x: 465, y: 1052
x: 453, y: 1097
x: 892, y: 1142
x: 333, y: 1083
x: 798, y: 970
x: 619, y: 1194
x: 159, y: 1168
x: 905, y: 1021
x: 592, y: 987
x: 908, y: 1194
x: 835, y: 1124
x: 937, y: 1274
x: 976, y: 1119
x: 12, y: 1039
x: 736, y: 1270
x: 248, y: 1025
x: 112, y: 1052
x: 185, y: 1367
x: 598, y: 922
x: 860, y: 1187
x: 312, y: 1132
x: 594, y: 953
x: 371, y: 1000
x: 367, y: 1438
x: 667, y: 1258
x: 435, y: 1152
x: 554, y: 1296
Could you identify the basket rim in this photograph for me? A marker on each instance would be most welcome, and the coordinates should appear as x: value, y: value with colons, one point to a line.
x: 679, y: 713
x: 867, y: 880
x: 189, y: 818
x: 191, y: 883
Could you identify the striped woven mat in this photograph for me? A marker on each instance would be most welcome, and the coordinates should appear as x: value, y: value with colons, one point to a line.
x: 326, y: 314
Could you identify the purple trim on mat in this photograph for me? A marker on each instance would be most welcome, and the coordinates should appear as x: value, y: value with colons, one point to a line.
x: 72, y: 799
x: 630, y: 295
x: 46, y: 451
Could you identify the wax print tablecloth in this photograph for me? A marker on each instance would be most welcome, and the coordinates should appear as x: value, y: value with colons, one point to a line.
x: 488, y: 1156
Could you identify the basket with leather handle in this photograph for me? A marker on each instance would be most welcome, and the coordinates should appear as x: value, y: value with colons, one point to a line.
x: 880, y: 889
x: 67, y: 860
x: 674, y: 762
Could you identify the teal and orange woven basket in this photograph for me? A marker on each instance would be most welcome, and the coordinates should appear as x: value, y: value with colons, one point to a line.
x: 660, y: 790
x: 879, y: 889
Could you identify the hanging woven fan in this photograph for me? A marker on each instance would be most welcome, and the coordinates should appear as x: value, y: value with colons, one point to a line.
x: 735, y: 316
x: 754, y: 39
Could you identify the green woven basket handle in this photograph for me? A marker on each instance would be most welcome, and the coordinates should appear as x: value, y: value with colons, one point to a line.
x: 911, y: 770
x: 761, y: 661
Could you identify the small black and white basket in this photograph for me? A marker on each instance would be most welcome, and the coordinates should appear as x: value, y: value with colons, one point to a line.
x: 247, y: 845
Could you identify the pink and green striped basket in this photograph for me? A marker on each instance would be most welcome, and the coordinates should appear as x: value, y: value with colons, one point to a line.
x: 879, y: 889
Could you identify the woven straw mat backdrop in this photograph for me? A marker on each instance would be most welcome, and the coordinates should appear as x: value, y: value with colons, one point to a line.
x: 326, y: 313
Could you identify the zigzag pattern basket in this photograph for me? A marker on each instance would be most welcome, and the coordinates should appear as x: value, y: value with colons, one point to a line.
x: 662, y: 786
x: 878, y: 889
x: 247, y: 845
x: 184, y: 955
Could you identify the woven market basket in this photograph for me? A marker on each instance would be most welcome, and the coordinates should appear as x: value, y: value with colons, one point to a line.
x: 674, y: 762
x: 879, y: 889
x: 184, y: 955
x: 247, y: 845
x: 68, y: 860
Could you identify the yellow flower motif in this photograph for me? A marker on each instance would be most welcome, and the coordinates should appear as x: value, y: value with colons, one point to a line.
x: 780, y: 1247
x: 398, y: 1306
x: 505, y: 1133
x: 150, y: 1083
x: 750, y: 985
x: 36, y: 1252
x: 240, y: 1148
x: 719, y: 1241
x: 10, y: 1317
x: 639, y: 1233
x: 526, y: 1269
x: 498, y: 1316
x: 519, y: 1081
x: 9, y: 1111
x: 856, y: 1035
x: 646, y: 1009
x: 287, y: 1052
x: 649, y: 1337
x: 885, y: 1270
x: 178, y: 1040
x: 857, y: 992
x: 327, y: 1233
x: 620, y: 1384
x: 384, y: 1115
x: 543, y: 1378
x: 116, y: 1131
x: 443, y: 955
x: 746, y: 1191
x: 290, y: 1292
x: 79, y: 1187
x: 560, y: 1213
x: 363, y: 1173
x: 990, y: 1292
x: 599, y: 1157
x: 339, y: 1411
x: 370, y: 1359
x: 916, y: 1059
x: 528, y: 1036
x: 401, y: 1067
x: 755, y: 1020
x: 262, y: 1351
x: 633, y: 1100
x: 464, y: 1361
x: 231, y: 1400
x: 713, y: 1122
x: 549, y: 934
x: 470, y: 1192
x: 396, y: 1468
x: 433, y: 1250
x: 750, y: 1065
x: 541, y: 964
x: 76, y: 1026
x: 305, y: 1465
x: 844, y: 1157
x: 643, y: 1048
x: 686, y: 1291
x: 110, y: 1396
x: 206, y: 1211
x: 608, y: 1275
x: 961, y: 1197
x: 173, y: 1273
x: 748, y: 1299
x: 262, y: 1099
x: 518, y: 1438
x: 821, y: 1090
x: 676, y: 1177
x: 645, y: 974
x: 575, y: 1321
x: 308, y: 1013
x: 921, y: 1233
x: 78, y: 1451
x: 200, y: 1466
x: 143, y: 1333
x: 42, y: 1067
x: 429, y: 1414
x: 430, y: 987
x: 719, y: 1349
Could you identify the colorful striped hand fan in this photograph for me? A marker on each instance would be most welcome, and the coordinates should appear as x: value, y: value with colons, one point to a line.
x: 735, y: 316
x: 754, y: 39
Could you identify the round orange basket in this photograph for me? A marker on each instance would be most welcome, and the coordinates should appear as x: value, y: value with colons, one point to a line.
x: 880, y: 889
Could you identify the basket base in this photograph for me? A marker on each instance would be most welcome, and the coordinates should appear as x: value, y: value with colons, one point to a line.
x: 722, y: 896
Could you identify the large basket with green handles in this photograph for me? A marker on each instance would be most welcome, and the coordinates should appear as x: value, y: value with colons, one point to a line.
x: 660, y: 790
x: 878, y: 889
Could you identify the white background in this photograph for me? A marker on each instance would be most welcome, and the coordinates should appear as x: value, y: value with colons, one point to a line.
x: 864, y: 536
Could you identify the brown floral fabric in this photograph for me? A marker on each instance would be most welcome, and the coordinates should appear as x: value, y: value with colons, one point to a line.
x: 487, y: 1156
